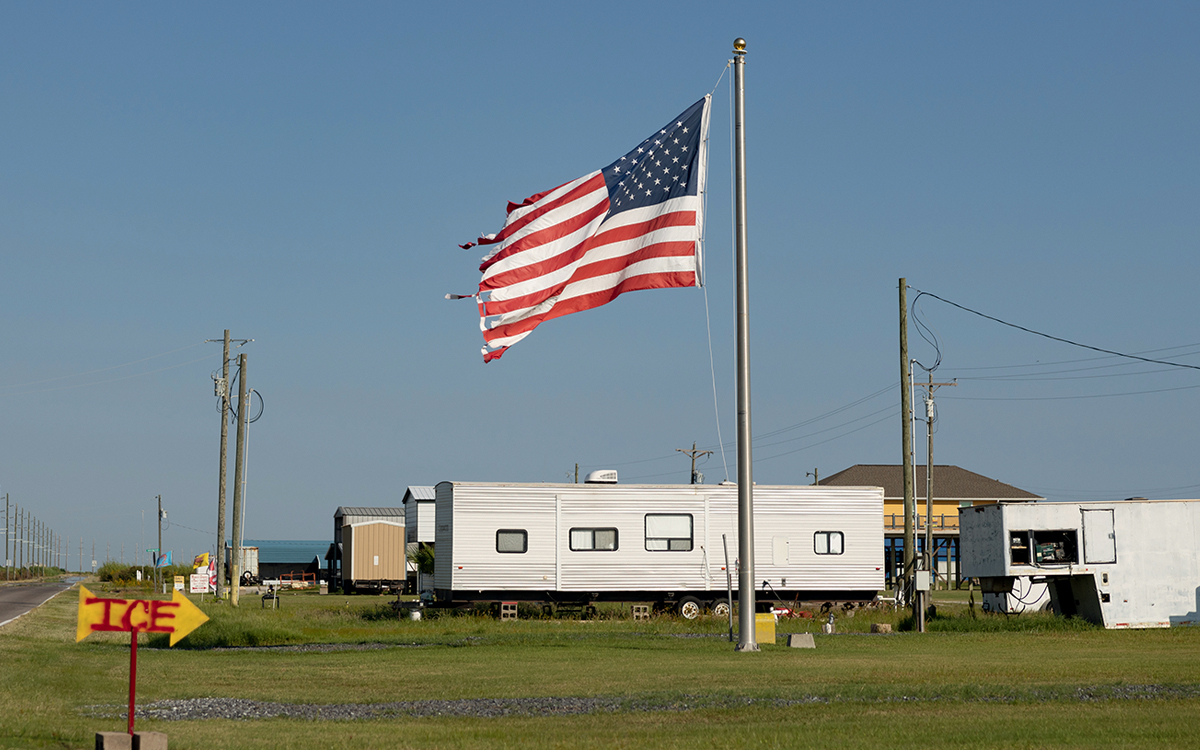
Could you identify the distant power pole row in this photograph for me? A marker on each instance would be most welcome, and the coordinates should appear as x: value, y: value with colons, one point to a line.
x: 34, y: 545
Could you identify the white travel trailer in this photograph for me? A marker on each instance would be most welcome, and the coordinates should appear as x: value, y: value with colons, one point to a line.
x: 583, y: 543
x: 1125, y: 564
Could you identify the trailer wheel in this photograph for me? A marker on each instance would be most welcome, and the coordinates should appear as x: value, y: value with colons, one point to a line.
x: 720, y: 608
x: 690, y: 608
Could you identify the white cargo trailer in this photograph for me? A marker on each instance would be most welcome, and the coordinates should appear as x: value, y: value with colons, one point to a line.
x: 1126, y: 564
x: 583, y: 543
x: 1025, y: 595
x: 247, y: 564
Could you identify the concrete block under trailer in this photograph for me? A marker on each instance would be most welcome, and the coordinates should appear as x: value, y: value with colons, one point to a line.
x: 1124, y: 564
x: 584, y: 543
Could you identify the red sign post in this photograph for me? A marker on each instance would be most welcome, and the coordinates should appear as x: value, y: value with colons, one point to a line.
x: 178, y: 617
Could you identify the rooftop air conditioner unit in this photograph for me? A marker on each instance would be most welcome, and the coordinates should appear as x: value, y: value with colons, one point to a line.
x: 603, y: 476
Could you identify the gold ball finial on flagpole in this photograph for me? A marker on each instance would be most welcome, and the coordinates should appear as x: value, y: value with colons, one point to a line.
x: 739, y: 46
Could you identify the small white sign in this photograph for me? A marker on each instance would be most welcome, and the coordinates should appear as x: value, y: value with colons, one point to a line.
x: 376, y: 559
x: 198, y: 583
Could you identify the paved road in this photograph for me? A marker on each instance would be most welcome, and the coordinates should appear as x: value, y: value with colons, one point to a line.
x: 16, y: 600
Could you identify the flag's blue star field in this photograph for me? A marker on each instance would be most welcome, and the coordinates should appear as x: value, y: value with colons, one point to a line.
x: 663, y: 166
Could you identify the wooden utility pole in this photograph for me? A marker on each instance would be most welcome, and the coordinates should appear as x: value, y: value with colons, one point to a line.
x: 223, y: 394
x: 694, y: 454
x: 243, y: 413
x: 930, y: 557
x: 158, y: 557
x: 221, y: 389
x: 906, y: 422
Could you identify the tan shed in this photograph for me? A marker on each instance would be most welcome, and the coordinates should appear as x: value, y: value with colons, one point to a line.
x: 373, y: 555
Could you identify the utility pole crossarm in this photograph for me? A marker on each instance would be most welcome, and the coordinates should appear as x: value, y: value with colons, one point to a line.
x: 694, y: 455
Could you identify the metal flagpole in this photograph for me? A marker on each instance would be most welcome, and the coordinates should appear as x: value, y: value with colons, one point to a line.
x: 746, y: 641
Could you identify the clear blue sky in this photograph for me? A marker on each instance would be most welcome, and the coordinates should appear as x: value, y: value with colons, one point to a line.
x: 302, y: 174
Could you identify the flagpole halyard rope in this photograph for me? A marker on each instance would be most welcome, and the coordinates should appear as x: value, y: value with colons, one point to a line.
x: 728, y: 65
x: 712, y: 367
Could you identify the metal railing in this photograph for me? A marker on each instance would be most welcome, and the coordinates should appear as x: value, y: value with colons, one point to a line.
x: 896, y: 521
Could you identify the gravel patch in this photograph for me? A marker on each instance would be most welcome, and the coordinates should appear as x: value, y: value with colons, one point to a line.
x: 236, y: 708
x: 240, y: 709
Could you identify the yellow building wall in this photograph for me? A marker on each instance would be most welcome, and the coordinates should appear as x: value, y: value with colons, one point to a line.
x: 945, y: 514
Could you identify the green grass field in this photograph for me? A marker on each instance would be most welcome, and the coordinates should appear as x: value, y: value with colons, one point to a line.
x: 984, y: 682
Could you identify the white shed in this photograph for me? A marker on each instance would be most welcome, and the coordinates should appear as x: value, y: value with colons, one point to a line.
x: 419, y: 514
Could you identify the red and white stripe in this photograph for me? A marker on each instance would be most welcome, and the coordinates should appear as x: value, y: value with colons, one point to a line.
x: 560, y: 253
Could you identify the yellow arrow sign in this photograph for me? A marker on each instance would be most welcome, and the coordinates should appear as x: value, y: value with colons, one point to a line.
x: 177, y: 617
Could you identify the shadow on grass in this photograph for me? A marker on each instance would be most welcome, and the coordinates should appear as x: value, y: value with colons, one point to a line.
x: 992, y: 622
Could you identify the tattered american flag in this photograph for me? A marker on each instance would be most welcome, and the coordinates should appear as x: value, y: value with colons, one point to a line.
x: 636, y: 224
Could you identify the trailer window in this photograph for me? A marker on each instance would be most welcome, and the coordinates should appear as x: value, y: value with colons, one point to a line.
x: 668, y: 533
x: 1043, y: 547
x: 1018, y: 547
x: 828, y: 543
x: 593, y: 540
x: 512, y: 540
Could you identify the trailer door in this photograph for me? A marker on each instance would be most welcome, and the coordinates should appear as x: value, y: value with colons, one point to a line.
x: 1099, y: 537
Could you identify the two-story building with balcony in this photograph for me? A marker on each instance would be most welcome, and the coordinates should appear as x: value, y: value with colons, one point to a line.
x: 953, y: 488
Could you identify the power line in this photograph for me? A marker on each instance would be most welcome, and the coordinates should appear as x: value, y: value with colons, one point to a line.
x: 1145, y: 492
x: 1053, y: 338
x: 886, y: 417
x: 1068, y: 398
x: 772, y: 433
x: 1030, y: 377
x: 891, y: 415
x: 102, y: 369
x: 1083, y: 359
x: 826, y: 415
x: 172, y: 524
x: 113, y: 380
x: 889, y: 407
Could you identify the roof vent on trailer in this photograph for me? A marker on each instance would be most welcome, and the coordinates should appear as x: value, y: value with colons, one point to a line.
x: 603, y: 476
